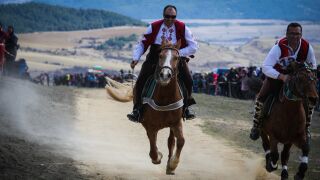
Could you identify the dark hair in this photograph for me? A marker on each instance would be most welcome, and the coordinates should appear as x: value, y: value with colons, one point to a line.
x: 169, y: 6
x: 294, y: 24
x: 11, y: 27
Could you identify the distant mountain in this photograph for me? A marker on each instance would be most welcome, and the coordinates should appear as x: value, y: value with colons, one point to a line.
x: 214, y: 9
x: 31, y: 17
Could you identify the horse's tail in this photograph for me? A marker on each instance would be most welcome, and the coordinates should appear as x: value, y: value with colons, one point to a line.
x: 119, y: 92
x: 255, y: 84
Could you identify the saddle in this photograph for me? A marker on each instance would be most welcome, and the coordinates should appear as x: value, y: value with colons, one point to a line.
x: 285, y: 92
x: 150, y: 86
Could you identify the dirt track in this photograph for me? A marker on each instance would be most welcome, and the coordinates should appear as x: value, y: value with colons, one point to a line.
x: 92, y: 129
x: 119, y: 148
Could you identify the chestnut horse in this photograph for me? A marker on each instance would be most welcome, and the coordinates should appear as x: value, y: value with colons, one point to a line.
x: 287, y: 121
x: 164, y: 109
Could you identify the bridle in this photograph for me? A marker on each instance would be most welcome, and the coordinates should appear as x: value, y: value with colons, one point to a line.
x: 292, y: 83
x: 169, y: 107
x: 158, y: 69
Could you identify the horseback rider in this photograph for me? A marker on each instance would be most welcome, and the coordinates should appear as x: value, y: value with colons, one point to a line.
x: 12, y: 47
x: 3, y: 38
x: 290, y: 48
x: 166, y: 29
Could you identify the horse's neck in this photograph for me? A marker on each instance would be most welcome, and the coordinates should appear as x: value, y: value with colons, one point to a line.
x: 292, y: 104
x: 289, y: 108
x: 167, y: 94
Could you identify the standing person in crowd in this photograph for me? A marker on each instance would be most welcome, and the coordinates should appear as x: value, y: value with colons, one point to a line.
x: 3, y: 38
x: 291, y: 46
x: 11, y: 47
x: 172, y: 30
x: 318, y: 85
x: 244, y: 84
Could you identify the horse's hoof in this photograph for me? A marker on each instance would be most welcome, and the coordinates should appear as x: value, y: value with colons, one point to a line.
x: 169, y: 171
x: 284, y: 175
x: 270, y: 167
x: 158, y: 161
x: 173, y: 162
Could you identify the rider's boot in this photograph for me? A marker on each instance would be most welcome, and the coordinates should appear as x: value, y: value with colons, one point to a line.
x: 135, y: 114
x: 256, y: 129
x: 189, y: 113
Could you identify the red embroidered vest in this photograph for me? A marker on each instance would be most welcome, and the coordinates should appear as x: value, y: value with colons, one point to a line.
x: 301, y: 57
x: 150, y: 38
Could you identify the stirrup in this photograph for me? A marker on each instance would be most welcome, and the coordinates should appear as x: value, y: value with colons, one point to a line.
x: 134, y: 116
x: 189, y: 115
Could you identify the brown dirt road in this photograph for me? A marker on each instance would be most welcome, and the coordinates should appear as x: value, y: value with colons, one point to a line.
x: 67, y: 133
x: 119, y: 149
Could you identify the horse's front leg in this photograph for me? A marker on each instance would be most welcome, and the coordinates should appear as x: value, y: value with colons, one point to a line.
x: 266, y: 146
x: 171, y: 144
x: 284, y: 160
x: 305, y: 147
x: 154, y: 154
x: 274, y: 155
x: 174, y: 160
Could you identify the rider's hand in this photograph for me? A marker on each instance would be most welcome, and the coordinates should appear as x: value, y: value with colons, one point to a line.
x: 133, y: 64
x: 283, y: 77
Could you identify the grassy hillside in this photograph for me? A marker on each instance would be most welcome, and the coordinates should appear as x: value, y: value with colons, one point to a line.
x: 34, y: 17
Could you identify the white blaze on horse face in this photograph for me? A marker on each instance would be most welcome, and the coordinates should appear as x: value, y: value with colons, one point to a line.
x: 168, y: 59
x: 166, y: 72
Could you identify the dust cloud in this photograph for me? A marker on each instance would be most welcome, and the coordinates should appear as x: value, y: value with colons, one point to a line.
x: 37, y: 113
x: 87, y: 126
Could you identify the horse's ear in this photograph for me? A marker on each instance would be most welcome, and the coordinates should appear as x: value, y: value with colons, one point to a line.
x: 164, y: 42
x: 178, y: 44
x: 293, y: 66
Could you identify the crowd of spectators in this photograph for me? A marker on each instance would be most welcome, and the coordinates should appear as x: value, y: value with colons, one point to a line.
x: 231, y: 82
x: 89, y: 79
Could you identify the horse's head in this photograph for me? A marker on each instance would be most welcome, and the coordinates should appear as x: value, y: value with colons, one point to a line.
x: 168, y: 62
x: 303, y: 81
